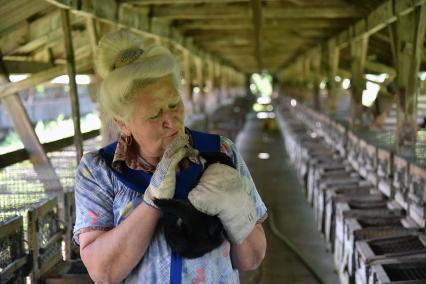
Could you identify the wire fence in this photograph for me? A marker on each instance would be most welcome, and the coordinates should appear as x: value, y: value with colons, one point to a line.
x: 21, y: 187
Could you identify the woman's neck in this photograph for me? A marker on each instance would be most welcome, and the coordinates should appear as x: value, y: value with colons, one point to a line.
x: 152, y: 161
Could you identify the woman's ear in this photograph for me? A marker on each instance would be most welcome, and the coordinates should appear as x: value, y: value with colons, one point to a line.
x: 123, y: 126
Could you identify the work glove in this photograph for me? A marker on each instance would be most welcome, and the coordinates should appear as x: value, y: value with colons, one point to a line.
x: 163, y: 181
x: 222, y: 192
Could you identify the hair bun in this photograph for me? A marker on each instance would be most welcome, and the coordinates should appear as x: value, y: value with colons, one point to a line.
x: 115, y: 50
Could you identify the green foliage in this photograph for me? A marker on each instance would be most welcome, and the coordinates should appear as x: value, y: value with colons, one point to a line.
x: 51, y: 130
x: 261, y: 84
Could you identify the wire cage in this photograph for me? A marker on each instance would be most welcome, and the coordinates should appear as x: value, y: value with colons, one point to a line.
x: 13, y: 255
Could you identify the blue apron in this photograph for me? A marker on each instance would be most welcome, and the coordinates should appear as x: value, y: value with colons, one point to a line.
x: 186, y: 179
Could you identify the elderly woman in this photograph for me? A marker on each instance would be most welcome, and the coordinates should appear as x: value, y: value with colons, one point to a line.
x: 156, y: 157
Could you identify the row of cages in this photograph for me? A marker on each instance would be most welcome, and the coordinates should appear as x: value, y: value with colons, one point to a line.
x: 37, y: 247
x: 368, y: 202
x: 36, y: 225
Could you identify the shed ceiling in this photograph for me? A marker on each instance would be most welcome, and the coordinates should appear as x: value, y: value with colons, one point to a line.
x: 250, y: 36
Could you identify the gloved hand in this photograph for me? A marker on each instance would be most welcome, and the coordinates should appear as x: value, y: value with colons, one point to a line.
x: 163, y: 181
x: 223, y: 192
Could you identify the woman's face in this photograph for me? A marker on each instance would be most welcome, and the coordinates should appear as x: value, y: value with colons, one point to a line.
x: 158, y: 118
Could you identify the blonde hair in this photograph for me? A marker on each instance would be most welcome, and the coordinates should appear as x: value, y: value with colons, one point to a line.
x: 127, y: 67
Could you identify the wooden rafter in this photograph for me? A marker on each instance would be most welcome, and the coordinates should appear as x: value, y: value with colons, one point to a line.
x: 229, y: 12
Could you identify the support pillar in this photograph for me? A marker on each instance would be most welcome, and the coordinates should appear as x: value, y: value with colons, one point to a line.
x: 316, y: 70
x: 332, y: 65
x: 200, y: 99
x: 69, y: 50
x: 224, y: 91
x: 358, y: 57
x: 408, y: 35
x: 187, y: 86
x: 109, y: 131
x: 210, y: 96
x: 217, y: 79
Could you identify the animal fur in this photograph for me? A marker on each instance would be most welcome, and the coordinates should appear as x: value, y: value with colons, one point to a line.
x: 189, y: 232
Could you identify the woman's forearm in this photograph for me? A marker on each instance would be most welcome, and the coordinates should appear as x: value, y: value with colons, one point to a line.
x: 249, y: 254
x: 110, y: 256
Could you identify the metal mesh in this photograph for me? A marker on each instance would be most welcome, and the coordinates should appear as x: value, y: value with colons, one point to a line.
x: 10, y: 250
x: 417, y: 189
x: 409, y: 271
x: 65, y: 164
x: 395, y: 245
x: 21, y: 187
x: 48, y: 226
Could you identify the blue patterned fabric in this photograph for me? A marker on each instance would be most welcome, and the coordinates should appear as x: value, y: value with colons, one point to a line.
x: 103, y: 202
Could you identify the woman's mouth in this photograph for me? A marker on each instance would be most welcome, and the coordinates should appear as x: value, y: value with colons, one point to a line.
x: 173, y: 134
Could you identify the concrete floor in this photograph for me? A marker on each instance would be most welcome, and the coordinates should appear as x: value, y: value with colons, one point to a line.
x: 281, y: 191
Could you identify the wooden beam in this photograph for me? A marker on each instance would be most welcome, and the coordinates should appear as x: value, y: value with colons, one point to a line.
x: 25, y: 67
x: 21, y: 155
x: 380, y: 68
x: 164, y: 2
x: 93, y: 35
x: 358, y: 58
x: 378, y: 19
x: 284, y: 24
x: 23, y: 126
x: 71, y: 68
x: 256, y: 6
x: 8, y: 88
x: 408, y: 36
x: 15, y: 16
x: 229, y: 12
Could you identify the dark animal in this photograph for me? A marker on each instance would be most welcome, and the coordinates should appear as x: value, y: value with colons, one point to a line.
x: 189, y: 232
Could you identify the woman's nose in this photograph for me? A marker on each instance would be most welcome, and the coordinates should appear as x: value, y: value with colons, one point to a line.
x: 169, y: 119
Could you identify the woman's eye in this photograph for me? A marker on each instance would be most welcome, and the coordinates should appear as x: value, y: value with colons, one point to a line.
x: 173, y: 106
x: 157, y: 115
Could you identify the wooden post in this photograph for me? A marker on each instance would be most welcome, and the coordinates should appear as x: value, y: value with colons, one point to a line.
x: 23, y: 126
x: 217, y: 76
x: 316, y: 68
x: 358, y: 58
x: 109, y: 131
x: 231, y: 83
x: 210, y: 99
x: 69, y: 50
x: 224, y: 83
x: 187, y: 86
x: 332, y: 65
x: 200, y: 101
x: 408, y: 36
